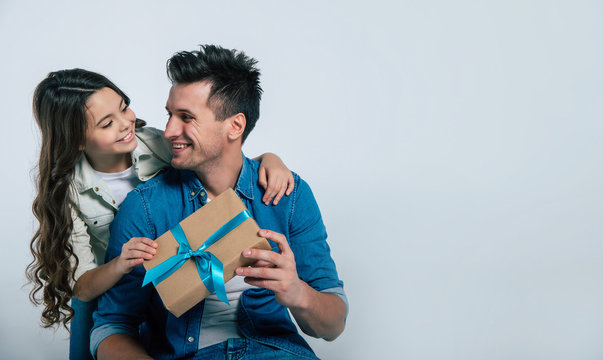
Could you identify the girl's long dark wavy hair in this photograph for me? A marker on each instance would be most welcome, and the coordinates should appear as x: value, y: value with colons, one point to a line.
x: 59, y: 106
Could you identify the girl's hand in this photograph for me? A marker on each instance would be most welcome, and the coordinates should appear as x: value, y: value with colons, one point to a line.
x: 135, y: 252
x: 275, y: 177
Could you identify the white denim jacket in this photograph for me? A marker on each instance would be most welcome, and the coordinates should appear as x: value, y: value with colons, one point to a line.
x: 95, y: 206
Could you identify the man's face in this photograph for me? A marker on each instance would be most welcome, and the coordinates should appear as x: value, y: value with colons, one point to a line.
x: 197, y: 138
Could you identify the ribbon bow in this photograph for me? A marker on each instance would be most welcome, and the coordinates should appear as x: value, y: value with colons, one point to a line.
x: 209, y: 267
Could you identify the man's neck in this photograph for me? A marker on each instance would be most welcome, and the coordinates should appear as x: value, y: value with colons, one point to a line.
x: 224, y: 174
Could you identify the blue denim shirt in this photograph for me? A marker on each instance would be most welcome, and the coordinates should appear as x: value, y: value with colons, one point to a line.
x: 158, y: 205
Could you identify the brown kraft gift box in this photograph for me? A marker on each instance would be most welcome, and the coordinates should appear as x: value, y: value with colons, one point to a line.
x: 184, y: 289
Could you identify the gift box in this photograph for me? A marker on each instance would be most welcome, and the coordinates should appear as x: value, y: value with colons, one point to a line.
x: 201, y: 253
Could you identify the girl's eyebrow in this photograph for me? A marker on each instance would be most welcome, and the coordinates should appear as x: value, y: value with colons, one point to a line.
x: 109, y: 115
x: 103, y: 118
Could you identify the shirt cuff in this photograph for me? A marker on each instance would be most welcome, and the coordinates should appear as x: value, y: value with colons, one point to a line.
x: 104, y: 331
x: 341, y: 293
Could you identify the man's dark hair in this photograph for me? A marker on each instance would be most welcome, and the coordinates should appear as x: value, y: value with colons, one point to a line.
x: 234, y: 77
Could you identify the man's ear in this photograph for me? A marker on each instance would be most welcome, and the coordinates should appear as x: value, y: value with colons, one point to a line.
x: 237, y: 125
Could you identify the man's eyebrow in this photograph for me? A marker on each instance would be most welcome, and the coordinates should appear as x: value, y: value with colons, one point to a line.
x: 179, y: 110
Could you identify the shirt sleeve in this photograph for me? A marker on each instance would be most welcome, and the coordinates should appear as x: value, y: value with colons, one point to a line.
x: 122, y: 308
x: 80, y: 242
x: 308, y: 240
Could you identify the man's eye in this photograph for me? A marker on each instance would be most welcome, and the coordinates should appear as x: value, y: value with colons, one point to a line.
x: 107, y: 124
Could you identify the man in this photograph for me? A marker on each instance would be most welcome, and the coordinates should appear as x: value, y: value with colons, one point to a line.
x: 212, y: 106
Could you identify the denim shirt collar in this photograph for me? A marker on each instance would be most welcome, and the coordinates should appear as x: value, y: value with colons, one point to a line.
x: 244, y: 186
x: 246, y: 179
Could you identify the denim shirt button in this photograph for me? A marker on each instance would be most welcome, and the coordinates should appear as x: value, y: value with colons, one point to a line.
x: 190, y: 339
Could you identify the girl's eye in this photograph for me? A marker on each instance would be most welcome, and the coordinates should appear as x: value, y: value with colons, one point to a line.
x: 125, y: 108
x: 107, y: 124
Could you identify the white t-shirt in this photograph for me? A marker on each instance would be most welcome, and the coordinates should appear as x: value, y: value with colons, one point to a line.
x: 120, y: 183
x: 219, y: 321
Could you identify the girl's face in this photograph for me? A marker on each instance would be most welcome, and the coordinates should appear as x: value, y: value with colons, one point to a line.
x: 110, y: 131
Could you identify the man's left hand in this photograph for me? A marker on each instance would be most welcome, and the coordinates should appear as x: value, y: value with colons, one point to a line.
x: 275, y: 271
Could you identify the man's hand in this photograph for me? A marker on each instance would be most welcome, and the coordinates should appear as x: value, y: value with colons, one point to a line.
x: 317, y: 314
x: 275, y: 271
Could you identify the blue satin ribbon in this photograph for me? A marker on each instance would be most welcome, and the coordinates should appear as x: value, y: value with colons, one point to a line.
x: 209, y: 267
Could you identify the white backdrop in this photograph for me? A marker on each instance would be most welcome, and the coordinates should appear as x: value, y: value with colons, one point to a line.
x: 454, y: 148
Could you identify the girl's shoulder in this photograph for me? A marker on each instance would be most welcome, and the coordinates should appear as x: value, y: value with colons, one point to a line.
x: 153, y: 140
x: 149, y: 133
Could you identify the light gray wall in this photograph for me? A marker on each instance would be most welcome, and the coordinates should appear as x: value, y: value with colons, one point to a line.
x: 454, y: 148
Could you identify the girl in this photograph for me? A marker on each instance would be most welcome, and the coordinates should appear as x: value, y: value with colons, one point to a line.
x: 94, y: 151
